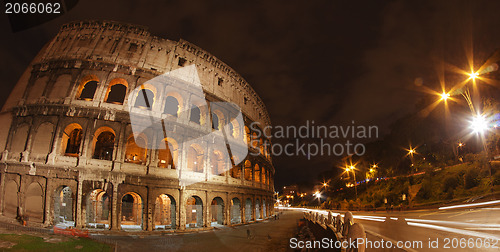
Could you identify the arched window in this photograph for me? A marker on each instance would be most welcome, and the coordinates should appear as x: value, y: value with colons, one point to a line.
x: 135, y: 151
x: 195, y: 160
x: 256, y: 173
x: 88, y: 90
x: 195, y: 115
x: 104, y: 145
x: 116, y: 93
x: 71, y: 140
x: 217, y: 163
x: 171, y: 106
x: 74, y: 140
x: 167, y: 155
x: 248, y: 170
x: 145, y: 99
x: 215, y: 121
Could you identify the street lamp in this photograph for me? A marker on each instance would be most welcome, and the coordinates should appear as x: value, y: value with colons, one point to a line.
x: 445, y: 96
x: 479, y: 124
x: 353, y: 169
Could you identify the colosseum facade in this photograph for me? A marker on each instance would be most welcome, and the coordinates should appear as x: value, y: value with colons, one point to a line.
x: 73, y: 157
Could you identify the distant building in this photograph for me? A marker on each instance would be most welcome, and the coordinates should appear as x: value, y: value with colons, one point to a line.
x: 291, y: 190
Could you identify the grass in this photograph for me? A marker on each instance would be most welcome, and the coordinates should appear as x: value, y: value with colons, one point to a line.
x: 33, y: 243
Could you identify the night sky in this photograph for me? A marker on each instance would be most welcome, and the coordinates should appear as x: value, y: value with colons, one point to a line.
x: 327, y: 61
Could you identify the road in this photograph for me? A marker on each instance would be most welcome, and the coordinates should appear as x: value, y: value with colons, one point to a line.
x: 462, y: 229
x: 269, y: 235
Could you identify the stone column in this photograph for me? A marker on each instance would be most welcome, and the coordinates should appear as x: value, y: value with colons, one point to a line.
x: 114, y: 208
x: 2, y: 188
x: 79, y: 196
x: 206, y: 211
x: 150, y: 206
x: 48, y: 203
x: 182, y: 210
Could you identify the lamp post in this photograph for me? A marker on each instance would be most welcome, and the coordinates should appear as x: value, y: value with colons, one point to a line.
x: 347, y: 169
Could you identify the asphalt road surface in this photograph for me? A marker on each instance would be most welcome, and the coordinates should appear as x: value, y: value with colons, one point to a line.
x: 464, y: 229
x: 269, y: 235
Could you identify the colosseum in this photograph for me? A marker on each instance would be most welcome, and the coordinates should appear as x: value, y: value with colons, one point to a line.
x: 113, y: 128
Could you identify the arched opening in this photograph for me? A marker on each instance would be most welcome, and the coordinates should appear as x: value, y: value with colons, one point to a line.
x: 248, y: 170
x: 217, y: 163
x: 195, y: 159
x: 215, y: 121
x: 264, y: 175
x: 144, y: 99
x: 167, y: 153
x: 235, y: 211
x: 234, y: 128
x: 116, y: 93
x: 63, y: 206
x: 217, y: 211
x: 10, y: 198
x: 195, y: 115
x: 235, y: 172
x: 131, y: 214
x: 264, y: 208
x: 255, y: 141
x: 98, y: 208
x: 135, y: 153
x: 104, y: 143
x: 164, y: 216
x: 248, y: 210
x: 71, y: 140
x: 34, y: 203
x: 247, y: 135
x: 171, y: 106
x: 257, y: 209
x: 261, y: 146
x: 194, y: 212
x: 257, y: 173
x: 87, y: 88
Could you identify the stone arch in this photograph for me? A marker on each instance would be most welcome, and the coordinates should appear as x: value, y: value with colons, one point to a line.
x: 217, y: 119
x: 103, y: 143
x: 61, y: 86
x: 10, y: 199
x: 98, y: 209
x: 135, y: 149
x: 116, y: 92
x: 19, y: 140
x: 42, y: 141
x: 235, y: 211
x: 195, y: 158
x: 194, y: 212
x: 248, y: 210
x: 247, y: 135
x: 165, y: 210
x: 71, y: 140
x: 264, y: 175
x: 235, y: 171
x: 264, y: 209
x: 64, y: 206
x: 256, y: 173
x: 168, y: 153
x: 257, y: 209
x: 173, y: 104
x: 145, y: 96
x: 217, y: 163
x: 248, y: 170
x: 131, y: 211
x: 235, y: 128
x: 195, y: 115
x: 87, y: 88
x: 198, y: 110
x: 255, y: 141
x: 34, y: 205
x: 217, y: 211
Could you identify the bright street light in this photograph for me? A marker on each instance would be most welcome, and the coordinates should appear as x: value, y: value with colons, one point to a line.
x: 444, y: 96
x: 479, y: 124
x: 473, y: 75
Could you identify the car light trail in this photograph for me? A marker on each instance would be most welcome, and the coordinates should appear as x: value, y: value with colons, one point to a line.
x: 471, y: 205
